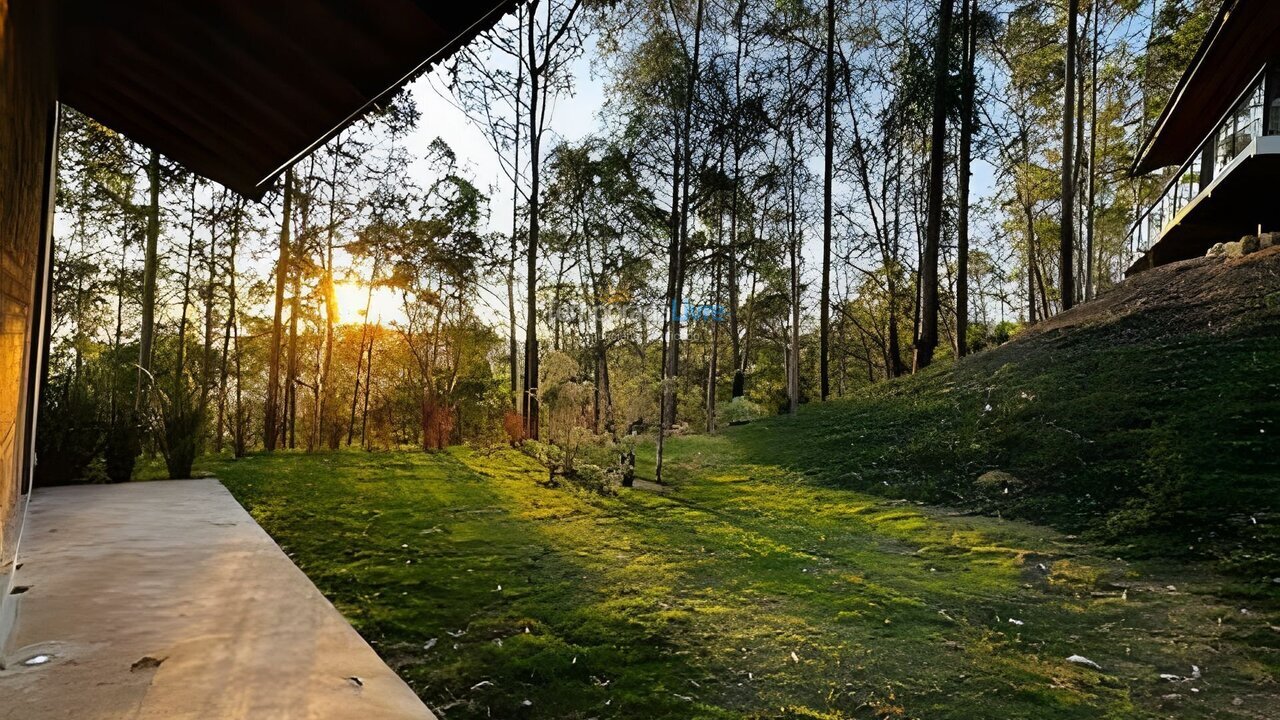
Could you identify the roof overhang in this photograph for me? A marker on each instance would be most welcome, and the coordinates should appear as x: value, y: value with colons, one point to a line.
x: 239, y: 90
x: 1242, y: 38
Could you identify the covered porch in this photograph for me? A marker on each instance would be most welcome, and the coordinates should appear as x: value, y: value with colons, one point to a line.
x: 166, y: 600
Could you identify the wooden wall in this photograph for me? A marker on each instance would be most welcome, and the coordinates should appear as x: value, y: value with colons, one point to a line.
x: 27, y: 102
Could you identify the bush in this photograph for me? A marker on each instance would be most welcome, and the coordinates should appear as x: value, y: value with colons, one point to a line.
x: 513, y: 426
x: 596, y: 479
x: 123, y: 444
x: 70, y: 433
x: 738, y: 411
x: 178, y: 425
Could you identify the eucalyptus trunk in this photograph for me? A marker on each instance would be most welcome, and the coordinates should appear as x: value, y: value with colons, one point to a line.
x: 271, y: 419
x: 927, y: 336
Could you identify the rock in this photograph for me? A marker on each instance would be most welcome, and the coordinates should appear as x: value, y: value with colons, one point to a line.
x: 1233, y: 249
x: 1217, y: 250
x: 147, y: 663
x: 998, y: 480
x: 1266, y: 240
x: 1082, y: 660
x: 1249, y: 244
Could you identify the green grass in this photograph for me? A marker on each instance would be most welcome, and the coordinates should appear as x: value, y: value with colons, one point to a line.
x: 843, y: 563
x: 750, y: 590
x: 1151, y: 434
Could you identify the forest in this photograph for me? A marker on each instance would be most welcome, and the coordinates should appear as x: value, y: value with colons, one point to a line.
x: 779, y: 204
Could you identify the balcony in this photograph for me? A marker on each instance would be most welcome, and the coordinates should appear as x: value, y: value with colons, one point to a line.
x: 1221, y: 192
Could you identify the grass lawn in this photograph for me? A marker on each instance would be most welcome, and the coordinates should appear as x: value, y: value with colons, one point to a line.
x: 748, y: 590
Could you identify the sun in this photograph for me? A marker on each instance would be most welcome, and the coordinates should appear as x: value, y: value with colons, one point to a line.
x: 353, y: 297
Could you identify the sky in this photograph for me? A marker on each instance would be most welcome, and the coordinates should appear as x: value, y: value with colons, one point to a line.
x: 571, y: 118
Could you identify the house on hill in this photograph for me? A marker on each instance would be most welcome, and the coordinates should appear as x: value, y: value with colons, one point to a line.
x: 1221, y: 130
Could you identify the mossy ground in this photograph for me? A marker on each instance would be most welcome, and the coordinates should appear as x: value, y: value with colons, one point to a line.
x: 747, y: 591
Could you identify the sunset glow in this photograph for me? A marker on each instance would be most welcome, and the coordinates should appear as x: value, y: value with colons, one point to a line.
x: 353, y: 296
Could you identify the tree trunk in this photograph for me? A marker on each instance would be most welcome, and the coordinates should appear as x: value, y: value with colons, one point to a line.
x: 512, y: 341
x: 368, y: 377
x: 330, y: 311
x: 671, y: 324
x: 364, y: 336
x: 1029, y: 214
x: 828, y: 102
x: 295, y: 310
x: 713, y: 369
x: 739, y: 382
x: 271, y: 421
x: 180, y: 364
x: 151, y: 266
x: 1066, y: 265
x: 793, y: 236
x: 206, y: 371
x: 1093, y: 159
x: 927, y: 338
x: 232, y: 246
x: 967, y: 111
x: 530, y: 404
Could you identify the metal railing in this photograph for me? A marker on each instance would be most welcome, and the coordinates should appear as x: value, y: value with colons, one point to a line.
x: 1231, y: 138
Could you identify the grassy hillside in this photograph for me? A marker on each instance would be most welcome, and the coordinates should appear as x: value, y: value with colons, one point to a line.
x: 1149, y: 418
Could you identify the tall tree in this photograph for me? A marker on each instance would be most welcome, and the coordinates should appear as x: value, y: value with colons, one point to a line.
x: 151, y: 268
x: 683, y: 158
x: 271, y: 413
x: 927, y: 337
x: 1067, y: 238
x: 559, y: 43
x: 1091, y: 222
x: 489, y: 83
x: 968, y: 110
x: 828, y: 164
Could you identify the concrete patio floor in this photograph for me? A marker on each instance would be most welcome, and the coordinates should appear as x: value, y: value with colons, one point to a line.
x: 166, y: 600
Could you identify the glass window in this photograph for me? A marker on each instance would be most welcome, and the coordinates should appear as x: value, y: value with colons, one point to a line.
x: 1244, y: 125
x: 1226, y: 145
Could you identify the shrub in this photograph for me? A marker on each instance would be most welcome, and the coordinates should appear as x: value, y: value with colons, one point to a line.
x: 178, y: 426
x: 738, y: 411
x: 513, y: 426
x: 120, y: 452
x: 596, y: 479
x: 70, y: 433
